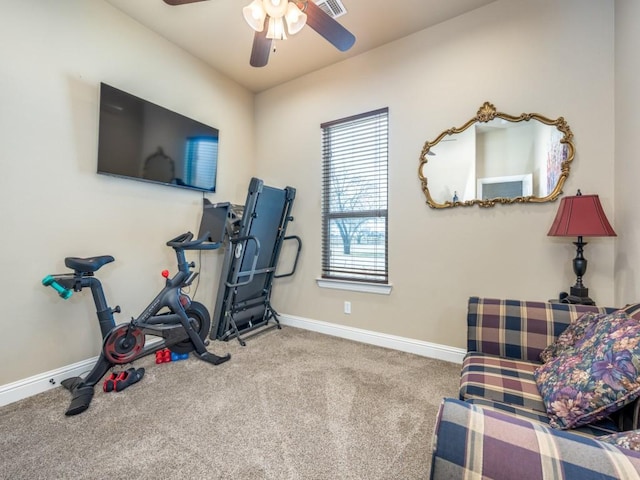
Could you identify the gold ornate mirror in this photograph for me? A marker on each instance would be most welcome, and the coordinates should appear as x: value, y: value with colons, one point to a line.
x: 497, y: 158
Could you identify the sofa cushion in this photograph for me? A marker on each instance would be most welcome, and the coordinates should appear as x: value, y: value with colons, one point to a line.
x: 567, y: 339
x: 598, y: 378
x: 500, y: 379
x: 519, y: 329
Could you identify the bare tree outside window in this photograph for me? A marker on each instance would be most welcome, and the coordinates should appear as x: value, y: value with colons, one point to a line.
x: 349, y: 194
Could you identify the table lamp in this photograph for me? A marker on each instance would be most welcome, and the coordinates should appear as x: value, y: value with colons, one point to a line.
x: 580, y: 216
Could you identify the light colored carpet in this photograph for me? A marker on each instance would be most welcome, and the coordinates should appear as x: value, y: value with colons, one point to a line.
x: 292, y: 404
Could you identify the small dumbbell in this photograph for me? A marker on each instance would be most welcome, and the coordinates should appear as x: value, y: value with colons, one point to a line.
x: 49, y: 281
x: 163, y: 356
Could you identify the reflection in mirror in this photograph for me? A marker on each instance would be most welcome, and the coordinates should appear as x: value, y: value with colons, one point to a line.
x: 497, y: 158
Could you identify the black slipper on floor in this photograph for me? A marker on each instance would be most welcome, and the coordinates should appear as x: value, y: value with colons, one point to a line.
x: 128, y: 377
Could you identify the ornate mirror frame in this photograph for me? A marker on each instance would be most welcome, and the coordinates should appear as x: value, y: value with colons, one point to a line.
x: 486, y: 113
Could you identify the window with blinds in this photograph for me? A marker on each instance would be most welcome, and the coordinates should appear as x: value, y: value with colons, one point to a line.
x: 354, y: 202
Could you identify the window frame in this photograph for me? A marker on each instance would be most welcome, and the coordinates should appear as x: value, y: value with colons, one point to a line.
x: 357, y: 277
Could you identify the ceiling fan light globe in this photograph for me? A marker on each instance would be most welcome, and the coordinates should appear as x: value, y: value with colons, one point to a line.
x: 254, y: 15
x: 275, y: 8
x: 295, y: 19
x: 276, y: 29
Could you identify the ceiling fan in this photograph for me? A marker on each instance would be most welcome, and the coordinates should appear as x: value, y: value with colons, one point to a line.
x: 275, y: 14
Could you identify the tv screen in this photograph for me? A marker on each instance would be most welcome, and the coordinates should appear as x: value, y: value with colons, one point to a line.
x: 140, y: 140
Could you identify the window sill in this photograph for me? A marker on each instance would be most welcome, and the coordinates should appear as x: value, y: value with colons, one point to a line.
x: 377, y: 288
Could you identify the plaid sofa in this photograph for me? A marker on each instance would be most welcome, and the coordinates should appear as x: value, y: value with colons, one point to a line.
x: 504, y: 341
x: 498, y: 427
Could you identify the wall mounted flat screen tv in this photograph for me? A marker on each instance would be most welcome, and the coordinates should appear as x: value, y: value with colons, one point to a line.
x: 140, y: 140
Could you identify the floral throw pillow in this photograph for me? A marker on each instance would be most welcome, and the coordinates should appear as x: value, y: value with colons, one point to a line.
x: 568, y: 338
x: 603, y: 325
x: 599, y: 377
x: 629, y: 440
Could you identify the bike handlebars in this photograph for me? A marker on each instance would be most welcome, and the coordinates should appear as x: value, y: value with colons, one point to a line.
x: 184, y: 242
x: 180, y: 240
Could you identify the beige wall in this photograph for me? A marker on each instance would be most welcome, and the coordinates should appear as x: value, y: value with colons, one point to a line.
x: 54, y: 205
x: 627, y: 164
x: 550, y: 57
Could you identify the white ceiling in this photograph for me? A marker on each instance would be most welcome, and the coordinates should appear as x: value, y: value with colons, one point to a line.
x: 215, y: 32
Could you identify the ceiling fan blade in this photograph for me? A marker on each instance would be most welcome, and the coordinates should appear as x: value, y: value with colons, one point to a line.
x: 180, y: 2
x: 261, y: 49
x: 332, y: 31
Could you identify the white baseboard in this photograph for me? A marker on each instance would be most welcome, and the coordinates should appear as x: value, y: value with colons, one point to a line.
x: 12, y: 392
x: 403, y: 344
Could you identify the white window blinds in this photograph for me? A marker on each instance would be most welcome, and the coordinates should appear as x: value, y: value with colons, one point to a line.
x: 354, y: 206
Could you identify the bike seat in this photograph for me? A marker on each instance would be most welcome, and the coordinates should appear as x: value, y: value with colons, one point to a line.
x: 87, y: 265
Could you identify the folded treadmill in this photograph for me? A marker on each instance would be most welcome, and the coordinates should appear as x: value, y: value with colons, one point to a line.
x: 255, y: 234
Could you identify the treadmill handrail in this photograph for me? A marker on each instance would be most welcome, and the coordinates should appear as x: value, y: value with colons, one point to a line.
x: 295, y: 263
x: 251, y: 272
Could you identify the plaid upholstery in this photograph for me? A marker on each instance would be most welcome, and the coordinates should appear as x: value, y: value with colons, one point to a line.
x: 521, y: 412
x: 472, y: 442
x: 500, y: 379
x: 598, y: 429
x: 518, y: 329
x: 633, y: 310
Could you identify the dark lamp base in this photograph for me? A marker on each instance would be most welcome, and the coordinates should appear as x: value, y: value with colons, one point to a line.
x: 579, y: 291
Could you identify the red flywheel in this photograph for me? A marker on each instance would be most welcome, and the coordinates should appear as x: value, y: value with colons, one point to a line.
x: 123, y: 344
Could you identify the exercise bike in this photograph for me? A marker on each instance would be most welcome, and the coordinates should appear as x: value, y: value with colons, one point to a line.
x: 182, y: 324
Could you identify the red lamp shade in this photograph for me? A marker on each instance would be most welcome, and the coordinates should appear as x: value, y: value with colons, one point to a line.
x: 581, y: 216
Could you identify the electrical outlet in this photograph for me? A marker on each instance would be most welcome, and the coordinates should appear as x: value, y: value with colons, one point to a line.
x: 347, y: 307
